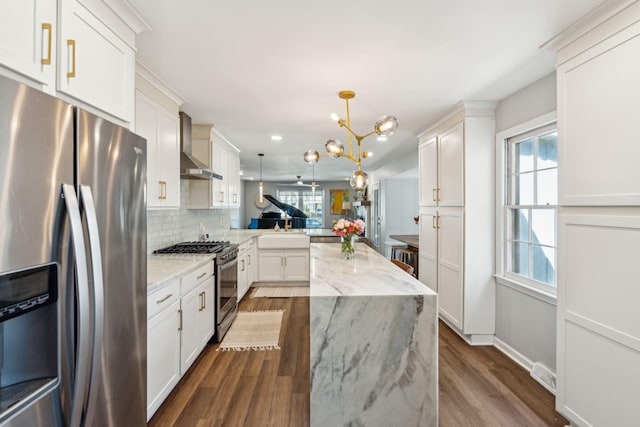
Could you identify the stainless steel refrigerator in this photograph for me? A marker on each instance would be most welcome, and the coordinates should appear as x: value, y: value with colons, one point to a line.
x: 72, y: 265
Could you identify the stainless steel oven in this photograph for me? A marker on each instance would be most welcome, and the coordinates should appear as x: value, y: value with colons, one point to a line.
x: 226, y: 290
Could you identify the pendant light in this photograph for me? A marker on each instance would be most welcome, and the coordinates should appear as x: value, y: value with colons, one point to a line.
x: 261, y: 184
x: 385, y: 126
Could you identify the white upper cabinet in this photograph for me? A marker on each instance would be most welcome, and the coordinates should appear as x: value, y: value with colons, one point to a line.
x: 598, y: 125
x: 81, y: 51
x: 28, y: 30
x: 158, y: 122
x: 161, y: 130
x: 428, y: 165
x: 96, y: 66
x: 441, y: 162
x: 224, y: 159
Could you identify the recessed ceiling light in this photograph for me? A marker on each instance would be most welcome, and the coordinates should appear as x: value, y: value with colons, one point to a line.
x: 276, y: 137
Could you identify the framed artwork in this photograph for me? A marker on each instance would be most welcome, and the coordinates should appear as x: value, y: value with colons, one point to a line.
x: 337, y: 197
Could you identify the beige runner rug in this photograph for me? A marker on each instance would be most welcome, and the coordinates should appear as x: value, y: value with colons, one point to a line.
x: 280, y: 291
x: 254, y: 330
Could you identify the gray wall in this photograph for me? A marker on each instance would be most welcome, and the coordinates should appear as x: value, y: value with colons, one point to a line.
x: 526, y: 323
x: 249, y: 209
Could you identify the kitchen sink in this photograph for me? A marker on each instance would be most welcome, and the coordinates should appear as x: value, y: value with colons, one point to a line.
x: 283, y: 241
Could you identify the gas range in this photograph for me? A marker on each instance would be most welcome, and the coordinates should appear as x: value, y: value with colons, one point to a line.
x: 203, y: 247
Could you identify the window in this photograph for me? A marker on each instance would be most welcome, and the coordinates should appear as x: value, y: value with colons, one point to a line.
x: 531, y: 206
x: 307, y: 203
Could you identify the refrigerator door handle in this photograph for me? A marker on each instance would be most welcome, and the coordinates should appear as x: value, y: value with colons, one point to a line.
x: 82, y: 294
x: 89, y: 210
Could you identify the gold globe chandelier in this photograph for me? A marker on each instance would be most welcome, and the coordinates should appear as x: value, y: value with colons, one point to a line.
x: 384, y: 126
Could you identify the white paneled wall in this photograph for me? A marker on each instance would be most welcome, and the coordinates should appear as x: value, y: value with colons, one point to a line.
x: 166, y: 227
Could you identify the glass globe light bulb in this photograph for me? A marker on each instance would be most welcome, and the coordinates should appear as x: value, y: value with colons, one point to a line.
x: 311, y: 156
x: 334, y: 148
x: 358, y: 180
x: 386, y: 125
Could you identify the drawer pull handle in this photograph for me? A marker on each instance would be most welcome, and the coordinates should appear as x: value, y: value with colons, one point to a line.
x: 72, y: 44
x: 180, y: 319
x: 164, y: 299
x: 47, y: 27
x: 202, y: 275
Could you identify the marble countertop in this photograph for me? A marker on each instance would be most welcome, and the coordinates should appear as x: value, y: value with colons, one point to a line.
x: 240, y: 236
x: 368, y: 274
x: 162, y: 269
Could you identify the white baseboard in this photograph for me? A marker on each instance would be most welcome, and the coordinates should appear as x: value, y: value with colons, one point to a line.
x: 474, y: 339
x: 537, y: 370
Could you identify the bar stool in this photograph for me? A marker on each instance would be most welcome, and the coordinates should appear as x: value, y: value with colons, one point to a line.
x: 404, y: 266
x: 406, y: 255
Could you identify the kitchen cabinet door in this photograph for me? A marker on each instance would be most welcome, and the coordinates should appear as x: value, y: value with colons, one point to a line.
x: 234, y: 179
x: 428, y: 254
x: 428, y: 166
x: 163, y: 356
x: 206, y: 316
x: 161, y: 130
x: 243, y: 274
x: 220, y: 165
x: 270, y: 266
x: 252, y: 261
x: 28, y: 39
x: 190, y: 335
x: 451, y: 166
x: 450, y: 264
x: 168, y: 160
x: 296, y: 266
x: 95, y: 65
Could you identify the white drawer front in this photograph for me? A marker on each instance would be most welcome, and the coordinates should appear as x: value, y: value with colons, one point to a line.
x: 163, y: 298
x: 191, y: 280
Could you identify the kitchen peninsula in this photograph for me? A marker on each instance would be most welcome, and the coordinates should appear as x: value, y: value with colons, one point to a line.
x: 373, y: 342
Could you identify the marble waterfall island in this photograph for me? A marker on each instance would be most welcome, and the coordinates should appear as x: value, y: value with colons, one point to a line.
x: 374, y: 341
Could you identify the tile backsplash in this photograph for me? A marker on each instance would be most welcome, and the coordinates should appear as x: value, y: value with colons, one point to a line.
x: 166, y: 227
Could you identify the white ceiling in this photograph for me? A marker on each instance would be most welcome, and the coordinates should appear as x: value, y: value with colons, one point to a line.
x: 257, y: 68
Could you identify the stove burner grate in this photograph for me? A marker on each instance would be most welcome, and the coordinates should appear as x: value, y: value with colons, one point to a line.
x: 194, y: 248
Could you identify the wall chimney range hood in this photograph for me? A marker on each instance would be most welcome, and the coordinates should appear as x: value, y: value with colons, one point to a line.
x: 190, y: 167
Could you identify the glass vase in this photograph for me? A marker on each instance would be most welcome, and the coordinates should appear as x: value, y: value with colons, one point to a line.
x: 347, y: 250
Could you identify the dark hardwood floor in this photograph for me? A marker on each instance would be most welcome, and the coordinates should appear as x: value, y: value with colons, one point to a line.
x: 479, y: 386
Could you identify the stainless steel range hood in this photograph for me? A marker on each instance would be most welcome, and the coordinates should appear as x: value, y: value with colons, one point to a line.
x: 190, y: 167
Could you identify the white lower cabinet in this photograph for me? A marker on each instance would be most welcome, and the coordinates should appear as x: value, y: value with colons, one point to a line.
x: 180, y: 324
x: 163, y: 345
x: 283, y: 266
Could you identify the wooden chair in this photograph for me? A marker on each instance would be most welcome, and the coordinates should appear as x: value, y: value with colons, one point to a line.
x: 406, y: 267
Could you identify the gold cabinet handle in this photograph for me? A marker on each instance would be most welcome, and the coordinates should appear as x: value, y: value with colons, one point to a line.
x: 164, y: 299
x: 248, y: 259
x: 433, y: 222
x: 204, y: 300
x: 49, y: 29
x: 433, y: 195
x: 438, y: 222
x: 163, y: 190
x: 201, y: 276
x: 180, y: 319
x: 201, y: 303
x: 72, y: 44
x: 242, y: 261
x: 221, y: 197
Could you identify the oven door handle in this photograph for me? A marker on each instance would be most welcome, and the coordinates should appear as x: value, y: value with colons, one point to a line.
x: 228, y: 264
